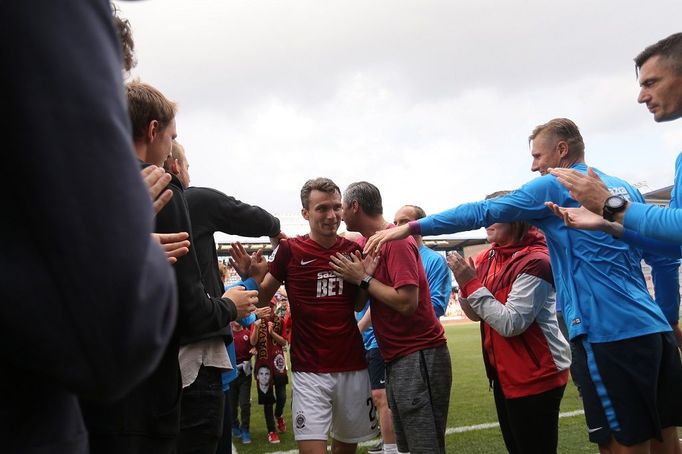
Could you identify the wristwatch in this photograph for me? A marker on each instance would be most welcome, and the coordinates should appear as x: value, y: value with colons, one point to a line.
x: 364, y: 283
x: 613, y: 204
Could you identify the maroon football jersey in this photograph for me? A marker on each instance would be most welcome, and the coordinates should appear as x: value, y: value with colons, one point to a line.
x: 399, y: 335
x: 325, y: 336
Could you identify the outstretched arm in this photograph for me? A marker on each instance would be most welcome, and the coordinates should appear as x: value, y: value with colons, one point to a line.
x: 374, y: 242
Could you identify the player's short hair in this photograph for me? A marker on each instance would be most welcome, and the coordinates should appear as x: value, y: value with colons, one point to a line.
x: 367, y: 195
x: 519, y: 228
x: 317, y: 184
x: 146, y: 104
x: 562, y: 129
x: 418, y: 211
x: 669, y: 48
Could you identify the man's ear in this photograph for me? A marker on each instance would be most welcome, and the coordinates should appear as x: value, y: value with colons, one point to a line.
x: 304, y: 213
x: 175, y: 167
x: 152, y: 131
x: 562, y: 148
x: 355, y: 206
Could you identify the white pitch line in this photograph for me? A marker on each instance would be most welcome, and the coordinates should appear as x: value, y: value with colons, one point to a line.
x: 449, y: 431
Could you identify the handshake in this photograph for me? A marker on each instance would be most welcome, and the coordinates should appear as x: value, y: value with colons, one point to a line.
x: 244, y: 300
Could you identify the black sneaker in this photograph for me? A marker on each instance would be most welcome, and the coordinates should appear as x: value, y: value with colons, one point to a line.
x: 376, y: 449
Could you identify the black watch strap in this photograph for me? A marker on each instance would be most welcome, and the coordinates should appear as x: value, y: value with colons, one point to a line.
x: 364, y: 283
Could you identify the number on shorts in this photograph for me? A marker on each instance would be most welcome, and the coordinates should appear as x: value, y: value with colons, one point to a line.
x: 372, y: 409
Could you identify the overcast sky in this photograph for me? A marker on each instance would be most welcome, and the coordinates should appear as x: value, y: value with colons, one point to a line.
x: 432, y: 101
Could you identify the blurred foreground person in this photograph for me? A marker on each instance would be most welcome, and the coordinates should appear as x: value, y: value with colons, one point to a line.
x: 82, y: 213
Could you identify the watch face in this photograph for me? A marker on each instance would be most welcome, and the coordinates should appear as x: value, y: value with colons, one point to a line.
x: 615, y: 202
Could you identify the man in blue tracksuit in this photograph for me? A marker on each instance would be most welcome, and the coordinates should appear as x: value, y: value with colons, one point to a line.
x: 626, y: 362
x: 660, y: 79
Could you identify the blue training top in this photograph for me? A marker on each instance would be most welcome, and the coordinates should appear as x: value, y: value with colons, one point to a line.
x: 656, y: 222
x: 367, y: 335
x: 439, y: 278
x: 668, y: 301
x: 598, y: 278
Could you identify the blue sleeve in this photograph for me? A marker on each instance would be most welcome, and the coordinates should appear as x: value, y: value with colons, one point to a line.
x: 440, y: 284
x: 650, y: 245
x: 655, y: 222
x: 248, y: 284
x: 526, y: 203
x: 248, y: 320
x: 664, y: 272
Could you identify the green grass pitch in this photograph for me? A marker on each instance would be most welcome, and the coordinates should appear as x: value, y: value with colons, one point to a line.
x: 471, y: 403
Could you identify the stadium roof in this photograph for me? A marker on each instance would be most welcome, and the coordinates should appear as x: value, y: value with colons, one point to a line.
x: 294, y: 224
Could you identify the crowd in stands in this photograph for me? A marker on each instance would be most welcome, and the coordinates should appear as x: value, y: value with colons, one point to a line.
x: 161, y: 355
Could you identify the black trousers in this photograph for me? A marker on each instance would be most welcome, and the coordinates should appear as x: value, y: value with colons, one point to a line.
x: 201, y: 413
x: 280, y: 400
x: 530, y: 425
x: 240, y: 399
x: 225, y: 442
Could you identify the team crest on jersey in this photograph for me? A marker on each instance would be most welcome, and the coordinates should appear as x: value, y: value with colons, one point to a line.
x: 245, y: 337
x: 300, y: 420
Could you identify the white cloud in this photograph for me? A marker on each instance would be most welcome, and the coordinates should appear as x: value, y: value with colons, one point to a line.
x: 431, y: 100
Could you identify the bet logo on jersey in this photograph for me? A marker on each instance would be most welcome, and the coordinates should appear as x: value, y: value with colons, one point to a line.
x: 328, y: 284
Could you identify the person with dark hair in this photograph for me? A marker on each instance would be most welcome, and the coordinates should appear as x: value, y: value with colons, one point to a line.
x: 410, y: 337
x: 510, y: 290
x: 437, y: 271
x: 147, y: 419
x: 625, y: 359
x: 330, y: 383
x: 82, y: 212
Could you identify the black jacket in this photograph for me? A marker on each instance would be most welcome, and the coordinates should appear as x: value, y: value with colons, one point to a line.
x: 212, y: 211
x: 147, y: 420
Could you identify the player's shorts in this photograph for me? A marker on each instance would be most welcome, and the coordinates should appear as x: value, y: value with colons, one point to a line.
x: 376, y: 368
x: 338, y: 403
x: 631, y: 389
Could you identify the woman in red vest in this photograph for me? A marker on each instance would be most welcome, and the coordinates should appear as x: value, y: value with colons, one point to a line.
x: 510, y: 289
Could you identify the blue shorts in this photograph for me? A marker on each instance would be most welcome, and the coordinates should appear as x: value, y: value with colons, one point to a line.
x: 376, y: 368
x: 631, y: 388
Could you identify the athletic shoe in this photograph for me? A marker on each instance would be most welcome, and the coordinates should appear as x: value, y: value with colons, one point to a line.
x: 273, y: 438
x: 376, y: 449
x: 281, y: 425
x: 236, y: 432
x: 246, y: 437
